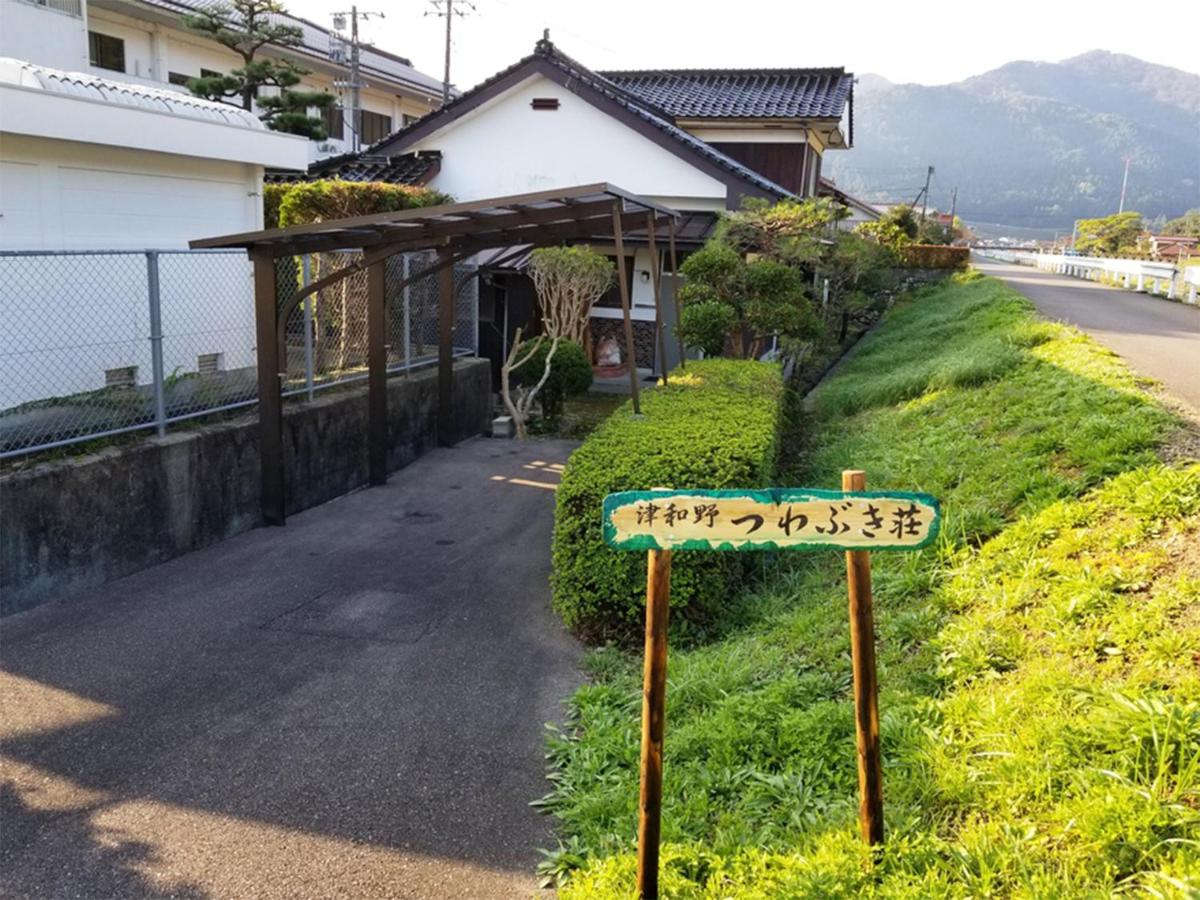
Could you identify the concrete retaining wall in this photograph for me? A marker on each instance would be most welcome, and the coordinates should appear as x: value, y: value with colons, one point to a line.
x: 74, y: 524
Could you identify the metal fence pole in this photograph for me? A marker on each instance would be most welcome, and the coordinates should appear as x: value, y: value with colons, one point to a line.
x: 306, y: 278
x: 407, y: 320
x: 475, y: 313
x: 156, y: 347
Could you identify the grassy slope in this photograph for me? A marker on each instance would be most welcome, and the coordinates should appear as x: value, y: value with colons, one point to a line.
x: 1040, y: 692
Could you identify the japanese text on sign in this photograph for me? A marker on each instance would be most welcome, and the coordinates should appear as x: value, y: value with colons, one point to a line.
x: 769, y: 519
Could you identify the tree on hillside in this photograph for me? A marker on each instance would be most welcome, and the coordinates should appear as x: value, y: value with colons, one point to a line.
x: 245, y: 27
x: 1187, y: 224
x: 1109, y: 235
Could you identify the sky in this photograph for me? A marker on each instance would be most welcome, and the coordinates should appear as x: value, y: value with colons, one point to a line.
x: 931, y: 42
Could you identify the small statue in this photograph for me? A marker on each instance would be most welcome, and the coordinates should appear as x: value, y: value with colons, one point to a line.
x: 608, y: 353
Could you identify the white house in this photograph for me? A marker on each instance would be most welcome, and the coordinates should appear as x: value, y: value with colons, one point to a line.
x: 102, y: 146
x: 699, y: 141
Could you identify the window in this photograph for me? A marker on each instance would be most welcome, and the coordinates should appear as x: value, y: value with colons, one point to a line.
x: 375, y: 127
x: 334, y: 117
x: 106, y: 51
x: 210, y: 73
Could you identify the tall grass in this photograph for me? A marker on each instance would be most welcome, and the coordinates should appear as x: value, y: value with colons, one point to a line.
x: 1040, y: 691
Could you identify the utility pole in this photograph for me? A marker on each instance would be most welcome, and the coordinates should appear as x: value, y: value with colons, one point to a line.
x: 449, y: 12
x: 1124, y: 184
x: 925, y: 194
x: 355, y: 84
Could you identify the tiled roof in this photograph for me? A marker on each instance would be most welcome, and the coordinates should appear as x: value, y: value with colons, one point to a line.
x: 123, y: 93
x: 402, y: 168
x: 740, y: 93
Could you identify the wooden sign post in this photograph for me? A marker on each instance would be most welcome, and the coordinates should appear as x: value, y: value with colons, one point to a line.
x: 853, y: 519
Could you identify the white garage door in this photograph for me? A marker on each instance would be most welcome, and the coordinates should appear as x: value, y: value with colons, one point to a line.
x: 123, y: 210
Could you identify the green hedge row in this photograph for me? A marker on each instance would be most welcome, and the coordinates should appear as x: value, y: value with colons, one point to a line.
x: 934, y: 256
x: 715, y: 426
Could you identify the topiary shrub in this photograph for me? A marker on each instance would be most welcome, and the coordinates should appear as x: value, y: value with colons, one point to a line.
x: 705, y: 325
x: 570, y: 374
x: 714, y: 426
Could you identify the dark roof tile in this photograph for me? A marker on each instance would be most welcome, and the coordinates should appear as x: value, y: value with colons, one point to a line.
x: 402, y: 168
x: 740, y: 93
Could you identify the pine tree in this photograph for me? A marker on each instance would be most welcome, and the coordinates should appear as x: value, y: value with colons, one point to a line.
x: 245, y: 27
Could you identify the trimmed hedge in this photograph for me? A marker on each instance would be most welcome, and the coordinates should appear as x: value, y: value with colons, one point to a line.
x: 299, y: 203
x: 933, y: 256
x: 715, y: 426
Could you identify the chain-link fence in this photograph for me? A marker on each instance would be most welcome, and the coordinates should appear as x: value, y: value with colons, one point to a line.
x: 97, y: 343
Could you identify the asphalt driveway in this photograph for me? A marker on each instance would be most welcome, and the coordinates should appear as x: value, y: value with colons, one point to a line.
x: 1157, y: 337
x: 351, y: 706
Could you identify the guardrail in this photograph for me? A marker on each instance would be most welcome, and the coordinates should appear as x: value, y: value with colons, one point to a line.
x: 1146, y: 276
x: 1158, y: 278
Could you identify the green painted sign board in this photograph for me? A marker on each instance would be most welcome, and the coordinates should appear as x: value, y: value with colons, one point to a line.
x: 770, y: 519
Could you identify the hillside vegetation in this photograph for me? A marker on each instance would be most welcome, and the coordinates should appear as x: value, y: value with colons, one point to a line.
x: 1040, y: 692
x: 1032, y: 144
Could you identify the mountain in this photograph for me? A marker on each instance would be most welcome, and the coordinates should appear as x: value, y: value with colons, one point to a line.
x: 1032, y: 144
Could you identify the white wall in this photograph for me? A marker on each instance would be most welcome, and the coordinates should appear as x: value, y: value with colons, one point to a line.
x: 36, y: 112
x: 42, y: 35
x: 69, y: 318
x: 57, y: 195
x: 506, y: 147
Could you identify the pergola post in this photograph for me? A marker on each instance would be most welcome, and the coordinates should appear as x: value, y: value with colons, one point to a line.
x: 445, y: 428
x: 656, y: 280
x: 377, y: 405
x: 675, y: 289
x: 623, y: 286
x: 270, y: 399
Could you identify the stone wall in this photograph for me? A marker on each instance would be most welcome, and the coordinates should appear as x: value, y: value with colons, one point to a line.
x: 74, y: 524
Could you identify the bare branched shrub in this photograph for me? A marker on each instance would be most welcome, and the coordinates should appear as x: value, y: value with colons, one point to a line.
x: 568, y: 281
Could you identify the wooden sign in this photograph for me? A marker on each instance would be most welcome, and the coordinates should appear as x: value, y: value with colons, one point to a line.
x: 774, y: 519
x: 852, y: 519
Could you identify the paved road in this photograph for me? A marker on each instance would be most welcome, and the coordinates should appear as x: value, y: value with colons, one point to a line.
x: 1158, y: 338
x: 351, y: 706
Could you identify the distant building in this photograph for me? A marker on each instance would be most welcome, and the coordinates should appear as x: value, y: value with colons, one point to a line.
x: 1172, y: 246
x: 103, y: 147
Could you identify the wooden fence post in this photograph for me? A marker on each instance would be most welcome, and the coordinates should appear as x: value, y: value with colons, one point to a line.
x: 866, y: 688
x: 654, y: 693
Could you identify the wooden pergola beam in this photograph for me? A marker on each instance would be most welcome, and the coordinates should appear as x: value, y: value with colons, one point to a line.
x: 656, y: 280
x: 419, y: 215
x: 270, y: 397
x: 420, y: 236
x: 377, y: 417
x: 457, y: 231
x: 446, y: 433
x: 675, y: 291
x: 630, y: 350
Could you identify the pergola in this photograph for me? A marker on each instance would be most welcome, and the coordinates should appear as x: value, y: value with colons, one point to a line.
x: 457, y: 231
